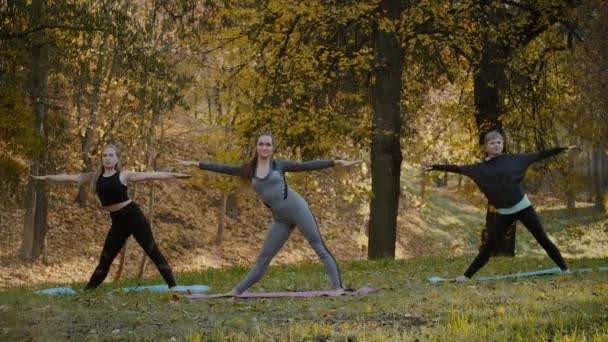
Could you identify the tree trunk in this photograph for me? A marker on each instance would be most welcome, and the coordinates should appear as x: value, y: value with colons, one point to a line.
x: 488, y: 83
x: 220, y: 229
x: 506, y: 245
x: 123, y: 251
x: 35, y: 222
x: 570, y: 189
x: 441, y: 181
x: 590, y: 178
x: 151, y: 158
x: 386, y: 154
x: 233, y: 209
x: 144, y: 258
x: 121, y: 261
x: 88, y: 136
x: 423, y: 183
x: 598, y: 186
x: 604, y: 159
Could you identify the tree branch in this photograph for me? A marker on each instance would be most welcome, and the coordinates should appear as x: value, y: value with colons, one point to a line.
x: 20, y: 35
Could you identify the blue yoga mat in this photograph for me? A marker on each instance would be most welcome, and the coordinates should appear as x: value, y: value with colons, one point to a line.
x: 56, y: 290
x: 152, y: 288
x: 165, y: 288
x: 524, y: 274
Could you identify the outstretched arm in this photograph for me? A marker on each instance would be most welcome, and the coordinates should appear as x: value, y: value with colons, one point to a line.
x: 294, y: 166
x: 79, y: 178
x: 221, y: 168
x: 131, y: 176
x: 534, y: 157
x: 462, y: 169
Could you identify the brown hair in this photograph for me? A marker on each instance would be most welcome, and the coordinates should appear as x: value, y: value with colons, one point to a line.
x: 248, y: 168
x: 99, y: 171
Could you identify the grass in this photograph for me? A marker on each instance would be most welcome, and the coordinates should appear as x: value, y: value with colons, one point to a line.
x: 408, y: 307
x: 565, y: 307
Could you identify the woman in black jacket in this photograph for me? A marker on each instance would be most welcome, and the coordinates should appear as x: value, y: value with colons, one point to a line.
x: 499, y: 177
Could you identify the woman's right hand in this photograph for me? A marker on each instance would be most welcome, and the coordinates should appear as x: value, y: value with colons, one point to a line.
x: 572, y: 147
x: 189, y: 162
x: 427, y: 168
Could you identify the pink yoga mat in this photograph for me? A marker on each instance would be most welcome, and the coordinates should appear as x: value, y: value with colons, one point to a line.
x: 306, y: 294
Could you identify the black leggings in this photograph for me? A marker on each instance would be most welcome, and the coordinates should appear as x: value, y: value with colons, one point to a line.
x: 126, y: 221
x: 530, y: 220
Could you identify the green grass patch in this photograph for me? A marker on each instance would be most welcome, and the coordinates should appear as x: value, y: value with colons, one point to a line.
x: 408, y: 307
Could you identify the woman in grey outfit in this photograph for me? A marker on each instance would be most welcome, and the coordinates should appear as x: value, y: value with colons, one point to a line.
x: 289, y: 209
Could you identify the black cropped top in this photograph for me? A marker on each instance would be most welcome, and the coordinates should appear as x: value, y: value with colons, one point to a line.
x: 110, y: 190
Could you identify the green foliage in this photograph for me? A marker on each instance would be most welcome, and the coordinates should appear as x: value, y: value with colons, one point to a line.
x: 16, y: 123
x: 18, y: 140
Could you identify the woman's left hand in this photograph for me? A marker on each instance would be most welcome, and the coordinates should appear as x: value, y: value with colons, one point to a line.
x: 346, y: 163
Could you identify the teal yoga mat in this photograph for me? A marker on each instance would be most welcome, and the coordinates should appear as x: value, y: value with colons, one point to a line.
x: 521, y: 275
x: 56, y: 290
x: 152, y: 288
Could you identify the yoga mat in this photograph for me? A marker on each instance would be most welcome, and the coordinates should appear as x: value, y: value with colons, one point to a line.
x: 152, y: 288
x: 304, y: 294
x: 524, y: 274
x: 56, y: 290
x: 165, y: 288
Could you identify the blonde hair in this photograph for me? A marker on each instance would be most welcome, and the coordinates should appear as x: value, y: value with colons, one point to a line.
x: 99, y: 171
x: 492, y: 135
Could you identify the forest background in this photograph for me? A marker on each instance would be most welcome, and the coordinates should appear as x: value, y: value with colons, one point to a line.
x: 395, y: 84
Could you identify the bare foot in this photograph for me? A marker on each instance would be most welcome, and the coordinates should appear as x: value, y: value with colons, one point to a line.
x: 338, y: 292
x: 462, y: 278
x: 232, y: 293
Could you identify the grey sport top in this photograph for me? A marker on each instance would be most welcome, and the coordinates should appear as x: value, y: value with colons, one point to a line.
x: 272, y: 189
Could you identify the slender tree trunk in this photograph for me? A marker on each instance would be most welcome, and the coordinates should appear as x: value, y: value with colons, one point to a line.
x: 604, y: 159
x: 121, y: 261
x: 35, y: 222
x: 196, y: 104
x: 220, y: 229
x: 570, y: 189
x: 151, y: 158
x: 229, y: 205
x: 123, y: 251
x: 133, y: 188
x: 386, y: 154
x: 590, y: 178
x: 144, y: 258
x: 423, y: 183
x: 598, y: 186
x: 232, y: 206
x: 92, y: 124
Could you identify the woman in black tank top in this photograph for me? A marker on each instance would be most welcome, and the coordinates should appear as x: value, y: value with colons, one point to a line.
x: 110, y: 184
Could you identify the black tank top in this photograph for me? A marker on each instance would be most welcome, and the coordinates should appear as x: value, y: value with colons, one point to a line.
x: 110, y: 190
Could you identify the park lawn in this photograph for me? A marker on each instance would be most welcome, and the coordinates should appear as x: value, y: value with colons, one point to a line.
x: 407, y: 307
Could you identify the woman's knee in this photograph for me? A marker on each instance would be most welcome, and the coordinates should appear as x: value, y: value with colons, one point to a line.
x: 321, y: 250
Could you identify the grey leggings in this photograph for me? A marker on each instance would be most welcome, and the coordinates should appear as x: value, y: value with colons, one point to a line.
x: 277, y: 236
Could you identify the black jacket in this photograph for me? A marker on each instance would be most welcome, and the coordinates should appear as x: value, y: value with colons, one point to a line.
x: 500, y: 178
